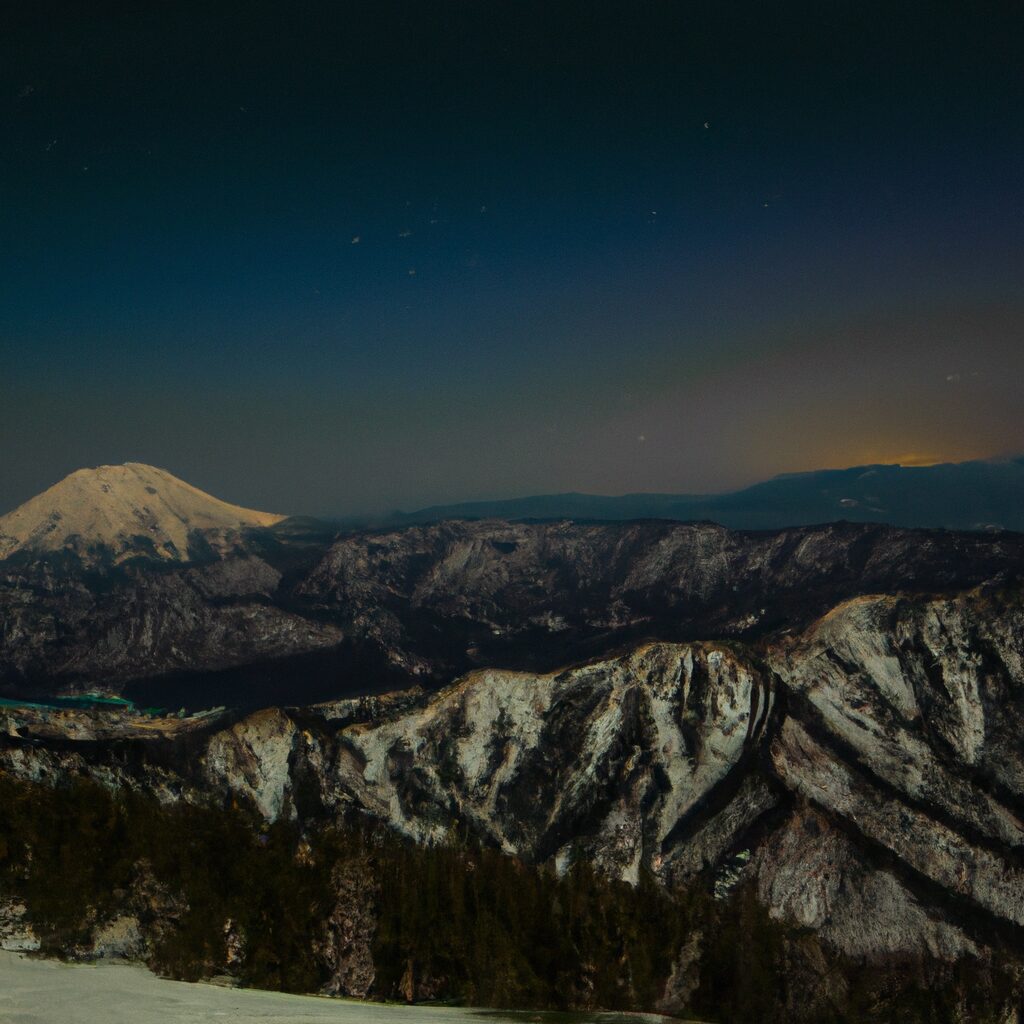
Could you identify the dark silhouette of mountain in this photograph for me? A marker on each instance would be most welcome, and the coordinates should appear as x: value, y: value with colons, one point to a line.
x: 974, y: 495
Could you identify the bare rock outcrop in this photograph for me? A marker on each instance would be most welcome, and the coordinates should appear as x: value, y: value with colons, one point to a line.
x: 864, y: 776
x: 347, y: 942
x: 383, y: 610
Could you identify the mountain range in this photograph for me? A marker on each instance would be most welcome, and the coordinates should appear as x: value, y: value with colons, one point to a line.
x: 805, y: 739
x: 976, y: 495
x: 114, y: 513
x: 849, y: 798
x: 128, y: 580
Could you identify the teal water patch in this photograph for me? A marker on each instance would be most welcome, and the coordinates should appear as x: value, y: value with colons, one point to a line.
x: 6, y: 702
x: 83, y: 700
x: 93, y: 700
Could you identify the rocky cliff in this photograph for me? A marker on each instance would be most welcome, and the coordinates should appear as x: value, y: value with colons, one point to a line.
x: 864, y: 776
x: 818, y: 728
x: 288, y: 618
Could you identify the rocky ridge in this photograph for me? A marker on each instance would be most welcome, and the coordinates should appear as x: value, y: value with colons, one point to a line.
x: 288, y: 618
x: 826, y: 718
x: 865, y: 776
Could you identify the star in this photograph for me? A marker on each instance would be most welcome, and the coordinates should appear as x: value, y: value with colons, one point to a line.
x: 707, y: 124
x: 356, y: 239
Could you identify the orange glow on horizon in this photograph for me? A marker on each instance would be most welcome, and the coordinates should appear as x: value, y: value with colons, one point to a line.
x: 916, y: 459
x: 885, y: 457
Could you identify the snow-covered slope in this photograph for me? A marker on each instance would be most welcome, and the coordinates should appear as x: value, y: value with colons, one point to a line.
x: 122, y: 511
x: 862, y: 779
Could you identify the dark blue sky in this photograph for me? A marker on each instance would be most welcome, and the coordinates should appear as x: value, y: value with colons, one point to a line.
x: 351, y: 256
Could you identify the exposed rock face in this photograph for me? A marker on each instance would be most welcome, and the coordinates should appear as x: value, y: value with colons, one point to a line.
x: 812, y: 875
x: 902, y: 731
x: 347, y: 944
x: 58, y: 632
x: 651, y: 735
x: 117, y: 512
x: 830, y: 716
x: 119, y: 939
x: 16, y: 934
x: 251, y: 759
x: 865, y: 775
x: 425, y: 605
x: 550, y: 590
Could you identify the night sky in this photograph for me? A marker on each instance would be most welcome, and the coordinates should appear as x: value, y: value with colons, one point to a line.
x: 347, y: 257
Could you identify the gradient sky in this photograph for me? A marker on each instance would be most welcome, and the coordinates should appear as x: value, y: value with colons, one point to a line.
x: 346, y: 257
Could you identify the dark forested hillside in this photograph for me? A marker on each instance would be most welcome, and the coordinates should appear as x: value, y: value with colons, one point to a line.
x: 217, y: 892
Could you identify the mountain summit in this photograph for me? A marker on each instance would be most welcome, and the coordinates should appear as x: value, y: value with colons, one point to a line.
x: 117, y: 512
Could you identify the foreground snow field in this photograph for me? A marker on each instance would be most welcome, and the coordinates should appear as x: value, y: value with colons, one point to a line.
x: 47, y: 992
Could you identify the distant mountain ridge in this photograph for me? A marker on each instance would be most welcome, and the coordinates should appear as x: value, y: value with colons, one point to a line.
x: 975, y: 495
x: 111, y: 514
